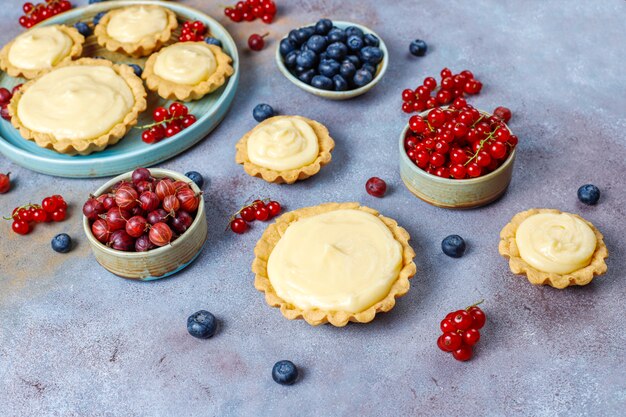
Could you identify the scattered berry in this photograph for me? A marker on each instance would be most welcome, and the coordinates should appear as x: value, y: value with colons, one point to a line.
x: 261, y: 210
x: 239, y: 226
x: 136, y: 69
x: 418, y: 47
x: 262, y: 111
x: 83, y: 28
x: 257, y: 42
x: 250, y: 10
x: 461, y: 332
x: 53, y: 208
x: 376, y: 187
x: 213, y: 41
x: 202, y: 324
x: 284, y: 372
x: 35, y: 13
x: 192, y: 31
x: 589, y: 194
x: 453, y: 246
x: 5, y: 183
x: 61, y: 243
x: 503, y: 113
x: 195, y: 177
x: 167, y: 122
x: 97, y: 17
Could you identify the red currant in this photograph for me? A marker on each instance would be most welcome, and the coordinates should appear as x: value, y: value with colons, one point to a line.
x: 479, y: 317
x: 445, y: 73
x: 49, y: 204
x: 178, y: 110
x: 188, y: 120
x: 238, y: 226
x: 447, y: 326
x: 471, y: 337
x: 59, y: 215
x: 274, y: 208
x: 262, y: 213
x: 503, y: 113
x: 5, y: 182
x: 20, y: 227
x: 462, y: 320
x: 451, y: 341
x: 408, y: 95
x: 256, y: 42
x: 147, y: 136
x: 464, y: 353
x: 160, y: 114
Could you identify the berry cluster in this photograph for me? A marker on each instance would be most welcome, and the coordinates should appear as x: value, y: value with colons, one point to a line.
x: 35, y: 13
x: 193, y: 31
x: 142, y: 214
x: 261, y: 210
x: 167, y: 122
x: 458, y: 142
x: 329, y: 58
x: 5, y: 99
x: 52, y: 208
x: 428, y: 96
x: 461, y: 332
x: 250, y: 10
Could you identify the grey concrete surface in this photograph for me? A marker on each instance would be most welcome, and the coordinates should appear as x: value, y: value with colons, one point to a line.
x: 78, y: 341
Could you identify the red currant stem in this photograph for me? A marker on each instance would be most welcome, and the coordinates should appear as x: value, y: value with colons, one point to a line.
x: 482, y: 144
x: 158, y: 123
x: 478, y: 120
x: 247, y: 204
x: 29, y: 205
x: 266, y: 34
x: 474, y: 305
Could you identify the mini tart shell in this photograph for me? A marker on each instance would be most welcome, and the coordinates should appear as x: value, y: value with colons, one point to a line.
x: 85, y: 146
x: 325, y: 142
x: 508, y: 248
x: 146, y: 45
x: 314, y: 317
x: 170, y: 90
x: 76, y: 50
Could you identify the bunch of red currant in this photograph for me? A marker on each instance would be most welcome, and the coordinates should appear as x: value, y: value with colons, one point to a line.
x: 459, y: 142
x: 5, y: 99
x: 250, y: 10
x: 35, y: 13
x: 461, y: 332
x: 52, y: 208
x: 261, y: 210
x: 142, y: 214
x: 193, y: 31
x: 167, y: 122
x: 428, y: 96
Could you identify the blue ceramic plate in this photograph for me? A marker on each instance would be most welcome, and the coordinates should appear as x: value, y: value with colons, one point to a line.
x: 130, y: 152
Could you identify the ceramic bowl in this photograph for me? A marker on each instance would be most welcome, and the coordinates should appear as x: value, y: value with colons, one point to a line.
x: 338, y: 95
x: 157, y: 263
x: 451, y: 193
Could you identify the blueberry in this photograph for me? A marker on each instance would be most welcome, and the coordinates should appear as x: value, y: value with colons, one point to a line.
x: 213, y: 41
x: 83, y: 28
x: 95, y: 1
x: 136, y: 69
x: 370, y: 68
x: 304, y: 47
x: 316, y: 43
x: 371, y: 55
x: 347, y: 69
x: 262, y: 111
x: 293, y: 37
x: 589, y: 194
x: 323, y: 56
x: 336, y: 35
x: 323, y: 26
x: 202, y: 324
x: 96, y: 18
x: 303, y: 34
x: 284, y: 372
x: 307, y: 76
x: 290, y: 59
x: 362, y: 77
x: 371, y: 40
x: 61, y: 243
x: 337, y: 50
x: 453, y: 246
x: 307, y: 59
x: 354, y: 43
x: 340, y: 83
x: 195, y: 177
x: 285, y: 47
x: 329, y: 67
x: 356, y: 61
x: 354, y: 31
x: 322, y: 82
x: 418, y: 47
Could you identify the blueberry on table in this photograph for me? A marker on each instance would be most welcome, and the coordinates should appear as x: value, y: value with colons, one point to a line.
x: 354, y: 31
x: 285, y: 47
x: 337, y: 50
x: 83, y: 28
x: 307, y: 59
x: 213, y: 41
x: 202, y: 324
x: 362, y: 78
x: 340, y: 83
x: 322, y: 82
x: 336, y: 35
x: 453, y: 246
x: 61, y: 243
x: 316, y: 43
x: 307, y: 76
x: 355, y: 43
x: 347, y: 69
x: 196, y: 177
x: 323, y: 26
x: 262, y: 111
x: 136, y: 69
x: 371, y: 40
x: 371, y: 55
x: 589, y: 194
x: 329, y: 68
x: 418, y: 47
x: 284, y: 372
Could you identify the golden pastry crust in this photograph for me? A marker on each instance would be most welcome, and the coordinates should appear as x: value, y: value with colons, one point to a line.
x: 85, y: 146
x: 170, y: 90
x: 508, y: 248
x: 314, y: 317
x: 325, y: 142
x: 77, y: 49
x: 145, y: 46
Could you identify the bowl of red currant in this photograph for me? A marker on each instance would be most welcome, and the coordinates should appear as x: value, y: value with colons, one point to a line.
x: 146, y: 224
x: 457, y: 156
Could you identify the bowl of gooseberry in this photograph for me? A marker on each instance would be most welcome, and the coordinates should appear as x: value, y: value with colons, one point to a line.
x: 457, y: 156
x: 146, y: 224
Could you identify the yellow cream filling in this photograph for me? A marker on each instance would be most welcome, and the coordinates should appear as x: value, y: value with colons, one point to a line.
x: 559, y: 243
x: 186, y: 63
x: 286, y: 143
x: 135, y: 23
x: 76, y: 102
x: 40, y: 48
x: 343, y: 260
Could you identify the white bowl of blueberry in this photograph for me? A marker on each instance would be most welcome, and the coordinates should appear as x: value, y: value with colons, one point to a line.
x: 334, y: 60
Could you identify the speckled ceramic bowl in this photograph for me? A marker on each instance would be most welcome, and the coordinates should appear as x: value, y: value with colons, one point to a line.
x: 338, y: 95
x: 451, y: 193
x: 157, y: 263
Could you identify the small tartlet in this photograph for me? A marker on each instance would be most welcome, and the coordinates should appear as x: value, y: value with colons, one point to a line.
x: 85, y: 146
x: 144, y: 47
x: 75, y: 52
x: 171, y: 90
x: 508, y: 248
x: 314, y: 317
x: 325, y: 142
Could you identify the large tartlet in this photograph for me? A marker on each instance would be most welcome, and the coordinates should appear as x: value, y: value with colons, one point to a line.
x: 40, y: 49
x: 136, y: 31
x: 569, y: 233
x: 359, y: 301
x: 79, y: 107
x: 187, y: 71
x: 285, y: 149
